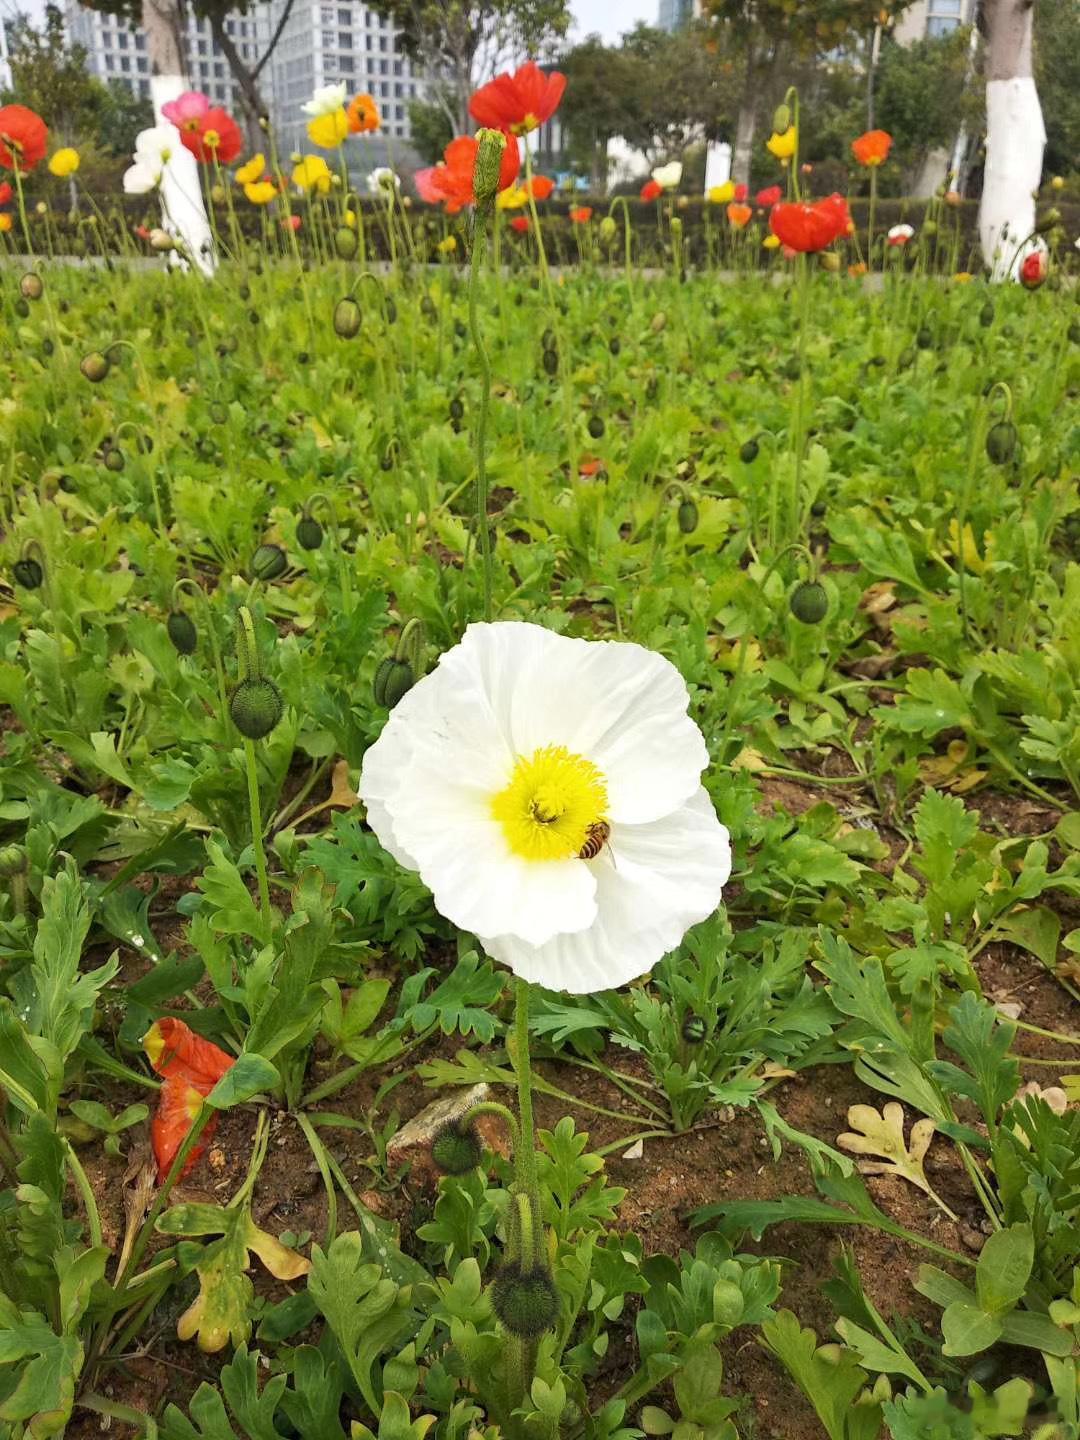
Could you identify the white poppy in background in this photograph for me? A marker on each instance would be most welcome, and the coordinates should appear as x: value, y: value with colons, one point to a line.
x: 668, y: 176
x: 383, y: 181
x: 900, y: 234
x: 519, y: 752
x: 326, y: 99
x: 153, y: 149
x: 142, y: 177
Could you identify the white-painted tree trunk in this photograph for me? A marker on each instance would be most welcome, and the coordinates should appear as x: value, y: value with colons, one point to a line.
x: 1015, y: 139
x: 182, y: 208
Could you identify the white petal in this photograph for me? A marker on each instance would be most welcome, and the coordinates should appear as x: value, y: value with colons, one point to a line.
x: 658, y: 881
x: 620, y: 705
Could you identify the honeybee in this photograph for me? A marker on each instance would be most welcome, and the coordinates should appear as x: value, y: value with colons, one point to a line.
x: 597, y: 837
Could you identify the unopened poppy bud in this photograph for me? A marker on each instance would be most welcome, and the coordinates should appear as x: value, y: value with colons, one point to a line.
x: 693, y: 1028
x: 551, y: 362
x: 525, y: 1301
x: 1049, y: 220
x: 658, y: 323
x: 781, y: 119
x: 255, y: 707
x: 31, y: 286
x: 309, y: 533
x: 676, y: 225
x: 347, y: 318
x: 181, y: 631
x: 94, y: 367
x: 268, y: 562
x: 28, y: 573
x: 21, y: 308
x: 217, y: 194
x: 688, y: 516
x: 596, y: 426
x: 809, y: 603
x: 615, y: 344
x: 1001, y: 442
x: 114, y: 460
x: 749, y: 452
x: 13, y: 861
x: 924, y: 337
x: 930, y: 228
x: 456, y: 1148
x: 346, y: 242
x: 830, y: 261
x: 490, y: 145
x: 390, y: 310
x: 457, y: 408
x: 161, y: 240
x: 393, y: 679
x: 986, y: 315
x: 608, y: 228
x: 219, y: 414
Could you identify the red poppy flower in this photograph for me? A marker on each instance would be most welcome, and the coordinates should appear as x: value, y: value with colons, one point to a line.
x: 582, y: 215
x: 809, y: 228
x: 739, y: 215
x: 24, y: 138
x: 217, y: 135
x: 291, y: 222
x: 540, y: 187
x: 520, y: 223
x: 1034, y: 269
x: 590, y: 467
x: 872, y: 148
x: 741, y: 192
x: 771, y: 195
x: 191, y: 1067
x: 452, y: 181
x: 142, y: 232
x: 520, y: 102
x: 651, y: 190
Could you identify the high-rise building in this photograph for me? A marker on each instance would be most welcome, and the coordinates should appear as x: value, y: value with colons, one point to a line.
x: 929, y: 19
x: 321, y: 44
x: 674, y: 14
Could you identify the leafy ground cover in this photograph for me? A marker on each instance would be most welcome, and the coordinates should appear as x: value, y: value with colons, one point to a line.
x: 818, y: 1173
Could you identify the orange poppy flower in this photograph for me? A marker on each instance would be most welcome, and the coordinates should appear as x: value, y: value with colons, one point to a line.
x: 362, y: 114
x: 24, y: 138
x: 590, y: 467
x: 809, y: 228
x: 540, y: 187
x: 872, y: 148
x: 520, y: 102
x: 582, y: 215
x: 452, y: 181
x: 6, y: 192
x: 651, y: 190
x: 191, y: 1067
x: 520, y: 224
x: 739, y: 215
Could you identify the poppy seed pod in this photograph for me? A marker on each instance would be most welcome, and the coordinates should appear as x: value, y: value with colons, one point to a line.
x: 181, y: 631
x: 31, y: 286
x: 596, y: 426
x: 255, y: 707
x: 1001, y: 442
x: 525, y: 1301
x: 268, y: 562
x: 456, y: 1148
x: 749, y: 452
x: 809, y: 603
x: 94, y: 367
x: 688, y: 517
x: 693, y: 1028
x: 309, y: 533
x: 347, y: 318
x: 28, y: 573
x: 393, y: 679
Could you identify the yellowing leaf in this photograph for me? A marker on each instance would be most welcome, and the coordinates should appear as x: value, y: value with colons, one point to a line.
x: 881, y: 1133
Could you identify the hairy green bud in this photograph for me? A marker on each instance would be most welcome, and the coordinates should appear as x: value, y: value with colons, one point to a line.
x: 525, y: 1301
x: 688, y: 516
x: 346, y: 242
x: 490, y: 145
x: 749, y: 452
x: 693, y: 1028
x: 31, y: 286
x: 255, y: 707
x: 456, y: 1148
x: 809, y: 603
x: 13, y: 861
x: 1001, y: 442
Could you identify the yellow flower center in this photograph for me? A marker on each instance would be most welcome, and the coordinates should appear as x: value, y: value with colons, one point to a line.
x: 552, y: 800
x: 211, y: 139
x: 523, y: 127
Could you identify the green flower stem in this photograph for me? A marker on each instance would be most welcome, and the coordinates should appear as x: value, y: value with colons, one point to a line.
x: 525, y: 1153
x: 476, y: 261
x: 247, y: 653
x: 800, y: 396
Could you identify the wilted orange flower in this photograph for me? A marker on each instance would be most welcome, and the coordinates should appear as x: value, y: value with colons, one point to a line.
x: 872, y: 148
x: 191, y: 1067
x: 363, y: 115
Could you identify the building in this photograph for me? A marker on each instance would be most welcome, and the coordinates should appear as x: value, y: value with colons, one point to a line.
x: 674, y: 14
x: 321, y: 44
x: 929, y: 19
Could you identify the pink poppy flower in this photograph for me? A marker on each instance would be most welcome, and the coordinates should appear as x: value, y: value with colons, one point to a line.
x: 425, y: 187
x: 187, y: 111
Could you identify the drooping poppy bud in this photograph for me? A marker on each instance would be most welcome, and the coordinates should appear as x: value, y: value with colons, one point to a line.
x: 456, y: 1148
x: 94, y: 367
x: 809, y: 603
x: 31, y: 286
x: 551, y: 362
x: 986, y: 315
x: 693, y: 1028
x: 1001, y: 442
x: 596, y: 426
x: 688, y: 516
x: 457, y: 409
x: 255, y: 707
x: 28, y: 573
x: 309, y: 533
x: 268, y: 562
x: 525, y: 1301
x: 13, y: 861
x: 393, y: 679
x: 749, y: 452
x: 347, y: 318
x: 181, y: 631
x: 114, y: 460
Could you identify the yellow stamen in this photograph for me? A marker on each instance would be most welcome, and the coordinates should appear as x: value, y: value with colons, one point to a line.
x: 551, y: 801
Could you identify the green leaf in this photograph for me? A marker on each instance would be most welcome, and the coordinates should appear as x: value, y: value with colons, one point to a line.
x: 232, y: 910
x: 44, y: 1382
x: 1003, y: 1268
x: 249, y: 1076
x: 968, y: 1330
x: 829, y: 1381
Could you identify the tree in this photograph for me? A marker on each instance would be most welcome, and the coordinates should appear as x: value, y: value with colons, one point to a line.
x: 461, y: 42
x: 430, y: 130
x: 1015, y: 135
x: 923, y: 96
x: 1057, y: 75
x: 766, y: 34
x: 52, y: 78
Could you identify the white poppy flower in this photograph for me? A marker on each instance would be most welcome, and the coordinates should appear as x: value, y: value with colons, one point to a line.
x: 382, y: 181
x: 523, y: 749
x: 326, y: 100
x: 668, y: 176
x: 156, y: 144
x: 900, y: 234
x: 142, y: 177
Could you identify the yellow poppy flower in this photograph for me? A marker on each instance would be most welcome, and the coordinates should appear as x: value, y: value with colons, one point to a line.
x: 312, y: 173
x: 5, y: 222
x: 771, y: 242
x: 64, y: 163
x: 260, y: 192
x: 783, y: 146
x: 252, y: 171
x: 350, y: 219
x: 512, y: 199
x: 722, y: 194
x: 329, y: 130
x: 447, y: 246
x: 963, y: 277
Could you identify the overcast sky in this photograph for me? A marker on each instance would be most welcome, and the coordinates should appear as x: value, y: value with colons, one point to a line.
x: 610, y: 18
